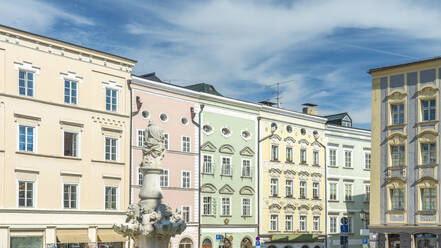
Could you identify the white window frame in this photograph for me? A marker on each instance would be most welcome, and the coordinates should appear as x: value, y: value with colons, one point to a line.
x: 78, y: 194
x: 291, y: 186
x: 77, y: 145
x: 189, y: 213
x: 316, y: 188
x: 242, y: 207
x: 183, y: 179
x: 335, y: 217
x: 210, y: 207
x: 302, y: 148
x: 277, y: 152
x: 230, y: 206
x: 34, y: 192
x: 352, y: 158
x: 242, y: 167
x: 292, y: 223
x: 300, y: 222
x: 305, y: 189
x: 211, y: 166
x: 26, y: 82
x: 288, y: 158
x: 370, y: 160
x: 168, y: 178
x: 313, y: 223
x: 336, y: 156
x: 221, y: 165
x: 139, y: 136
x: 352, y: 191
x: 117, y: 196
x: 366, y: 186
x: 276, y: 187
x: 314, y: 158
x: 183, y: 146
x: 139, y: 176
x: 336, y: 190
x: 70, y: 92
x: 35, y: 137
x: 117, y: 148
x: 277, y: 222
x: 117, y: 99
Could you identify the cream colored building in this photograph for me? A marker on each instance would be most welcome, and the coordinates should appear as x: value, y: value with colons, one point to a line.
x: 64, y: 142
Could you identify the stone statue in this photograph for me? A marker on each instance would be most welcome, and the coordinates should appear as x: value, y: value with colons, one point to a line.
x: 149, y: 222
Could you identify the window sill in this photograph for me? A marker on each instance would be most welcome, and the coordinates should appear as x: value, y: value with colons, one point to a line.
x: 289, y: 162
x: 226, y: 216
x: 246, y: 216
x: 366, y: 169
x: 349, y: 201
x: 316, y: 199
x: 427, y: 212
x: 210, y: 174
x: 316, y: 165
x: 401, y: 211
x: 275, y: 161
x: 349, y: 168
x: 246, y: 177
x: 223, y: 175
x: 107, y: 161
x: 402, y: 125
x: 289, y: 197
x: 431, y: 122
x: 427, y: 165
x: 275, y: 196
x: 332, y: 166
x: 208, y: 215
x: 333, y: 201
x: 46, y: 155
x: 396, y: 167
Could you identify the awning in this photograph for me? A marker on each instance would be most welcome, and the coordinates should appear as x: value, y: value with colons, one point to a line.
x: 108, y: 235
x: 66, y: 236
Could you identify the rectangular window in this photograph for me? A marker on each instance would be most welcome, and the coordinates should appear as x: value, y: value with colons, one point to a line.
x: 397, y: 199
x: 348, y: 192
x: 111, y: 99
x: 288, y: 222
x: 429, y: 110
x: 140, y: 177
x: 166, y: 141
x: 332, y: 157
x: 246, y: 168
x: 397, y: 154
x: 186, y: 214
x: 303, y: 156
x: 350, y: 224
x: 226, y: 206
x: 207, y: 202
x: 207, y: 167
x: 333, y: 224
x: 289, y: 155
x: 302, y: 223
x: 315, y: 156
x: 397, y: 114
x: 226, y: 166
x: 186, y: 179
x: 428, y: 153
x: 26, y: 138
x: 274, y: 187
x: 70, y: 144
x: 316, y: 190
x: 111, y: 197
x: 26, y: 194
x: 274, y: 153
x: 246, y: 207
x: 163, y: 179
x: 111, y: 148
x: 140, y: 137
x: 348, y: 159
x: 316, y: 223
x: 289, y: 188
x: 367, y: 192
x: 70, y: 91
x: 274, y: 222
x: 70, y: 192
x: 302, y: 189
x: 367, y: 160
x: 186, y: 144
x: 333, y: 191
x: 26, y: 83
x: 428, y: 198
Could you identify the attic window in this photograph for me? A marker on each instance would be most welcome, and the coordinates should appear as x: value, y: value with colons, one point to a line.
x: 163, y: 117
x: 207, y: 129
x: 346, y: 123
x: 303, y: 131
x: 246, y: 135
x: 289, y: 129
x: 226, y: 132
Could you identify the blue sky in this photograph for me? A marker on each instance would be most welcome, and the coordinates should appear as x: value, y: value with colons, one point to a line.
x: 326, y: 47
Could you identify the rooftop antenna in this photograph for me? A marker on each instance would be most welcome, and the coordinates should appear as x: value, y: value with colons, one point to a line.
x: 277, y: 85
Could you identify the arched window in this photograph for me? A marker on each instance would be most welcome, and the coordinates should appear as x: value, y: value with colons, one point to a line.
x: 288, y: 246
x: 246, y: 243
x: 305, y: 246
x: 206, y: 243
x: 186, y: 243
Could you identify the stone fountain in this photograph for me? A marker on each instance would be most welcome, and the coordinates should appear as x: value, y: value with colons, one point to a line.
x: 150, y: 222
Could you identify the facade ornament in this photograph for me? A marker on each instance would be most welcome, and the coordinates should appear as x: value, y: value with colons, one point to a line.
x: 397, y: 138
x: 427, y: 136
x: 427, y: 92
x: 397, y: 95
x: 150, y: 222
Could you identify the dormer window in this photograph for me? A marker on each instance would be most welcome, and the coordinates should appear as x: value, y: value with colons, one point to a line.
x: 346, y: 122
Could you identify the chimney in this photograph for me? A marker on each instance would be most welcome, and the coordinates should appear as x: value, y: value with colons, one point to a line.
x: 310, y: 109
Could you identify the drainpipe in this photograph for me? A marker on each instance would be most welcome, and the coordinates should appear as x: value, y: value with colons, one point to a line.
x: 258, y: 175
x: 198, y: 124
x: 130, y: 147
x: 326, y: 194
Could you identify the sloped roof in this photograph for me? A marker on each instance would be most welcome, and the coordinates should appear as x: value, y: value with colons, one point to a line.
x: 336, y: 117
x: 151, y: 76
x: 203, y: 87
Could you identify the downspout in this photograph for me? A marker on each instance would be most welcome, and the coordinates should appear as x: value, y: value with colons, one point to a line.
x: 326, y: 193
x: 198, y: 124
x: 258, y: 175
x: 130, y: 147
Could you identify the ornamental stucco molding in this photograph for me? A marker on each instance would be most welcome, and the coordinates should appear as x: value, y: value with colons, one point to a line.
x: 427, y: 92
x: 427, y: 182
x: 397, y: 95
x: 427, y: 136
x: 397, y: 138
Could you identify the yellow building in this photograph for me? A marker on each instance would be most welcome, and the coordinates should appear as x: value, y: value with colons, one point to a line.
x: 292, y: 178
x: 64, y: 142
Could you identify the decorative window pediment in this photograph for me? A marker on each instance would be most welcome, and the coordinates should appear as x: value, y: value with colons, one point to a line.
x: 289, y: 208
x: 303, y: 141
x: 226, y: 189
x: 246, y: 190
x: 303, y: 173
x: 274, y: 207
x: 397, y: 95
x: 396, y: 183
x: 427, y: 136
x: 208, y: 188
x: 315, y: 144
x: 290, y: 140
x: 275, y: 171
x: 289, y: 172
x: 246, y: 152
x: 316, y: 174
x: 397, y: 139
x: 208, y: 147
x: 304, y: 206
x: 316, y: 207
x: 427, y: 182
x: 427, y: 92
x: 227, y: 149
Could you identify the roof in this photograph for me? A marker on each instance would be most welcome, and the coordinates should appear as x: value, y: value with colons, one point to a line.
x: 203, y: 87
x: 151, y: 76
x: 412, y: 62
x: 336, y: 117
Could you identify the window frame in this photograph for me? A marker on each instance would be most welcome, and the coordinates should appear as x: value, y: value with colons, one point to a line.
x: 78, y: 140
x: 138, y: 136
x: 77, y: 200
x: 210, y: 206
x: 429, y: 153
x: 168, y: 178
x: 314, y: 217
x: 305, y: 222
x: 428, y: 109
x: 333, y: 228
x: 276, y: 187
x: 185, y: 143
x: 401, y: 155
x: 26, y: 71
x: 111, y: 103
x: 316, y: 196
x: 116, y: 148
x: 243, y: 166
x: 222, y: 165
x: 243, y: 205
x: 183, y: 178
x: 275, y: 156
x: 401, y: 198
x: 351, y: 162
x: 34, y: 137
x: 367, y: 157
x: 230, y: 204
x: 400, y: 114
x: 167, y: 141
x: 336, y: 191
x: 291, y: 186
x: 70, y: 91
x: 304, y: 188
x: 291, y: 222
x: 351, y: 196
x: 336, y: 157
x: 289, y: 155
x: 183, y: 213
x: 34, y: 193
x: 432, y: 197
x: 303, y: 154
x: 277, y: 222
x: 315, y: 157
x: 211, y: 164
x: 117, y: 193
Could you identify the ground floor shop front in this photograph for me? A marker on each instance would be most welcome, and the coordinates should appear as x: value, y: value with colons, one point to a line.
x: 228, y: 237
x: 406, y: 237
x: 293, y: 241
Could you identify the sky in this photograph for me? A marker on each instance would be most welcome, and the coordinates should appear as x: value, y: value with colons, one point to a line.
x: 323, y: 48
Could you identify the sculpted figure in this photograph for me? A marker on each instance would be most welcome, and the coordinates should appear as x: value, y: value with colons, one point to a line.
x: 154, y: 147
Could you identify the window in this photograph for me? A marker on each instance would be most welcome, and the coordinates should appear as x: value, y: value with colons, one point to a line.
x: 163, y: 117
x: 226, y: 166
x: 140, y: 137
x: 111, y: 148
x: 184, y: 121
x: 274, y: 222
x: 145, y: 114
x: 246, y: 207
x: 332, y: 157
x: 274, y: 153
x: 70, y: 91
x: 246, y: 135
x: 226, y: 206
x: 207, y: 202
x: 333, y: 224
x: 348, y: 192
x: 288, y: 222
x: 140, y: 177
x: 303, y: 156
x: 207, y: 129
x: 333, y: 191
x: 166, y: 141
x: 289, y: 155
x: 428, y: 198
x: 316, y: 223
x: 225, y: 132
x: 26, y: 138
x: 163, y: 179
x: 367, y: 192
x: 397, y: 114
x: 316, y: 190
x: 397, y: 199
x: 367, y: 160
x: 274, y: 187
x: 246, y: 168
x: 26, y: 194
x: 111, y: 99
x: 70, y: 144
x: 186, y: 214
x: 186, y: 179
x: 186, y: 243
x: 315, y: 156
x: 110, y: 197
x: 428, y: 153
x: 70, y: 192
x: 348, y: 159
x: 302, y: 189
x: 207, y: 167
x: 350, y: 224
x: 429, y: 110
x: 26, y: 83
x: 289, y: 188
x: 397, y: 154
x: 186, y: 144
x: 302, y: 223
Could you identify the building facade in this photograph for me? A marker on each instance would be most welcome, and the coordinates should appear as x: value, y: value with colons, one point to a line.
x: 64, y: 142
x: 348, y: 180
x: 176, y: 111
x: 292, y: 178
x: 405, y: 155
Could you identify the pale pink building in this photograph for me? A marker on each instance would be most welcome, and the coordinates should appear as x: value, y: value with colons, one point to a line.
x: 177, y: 114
